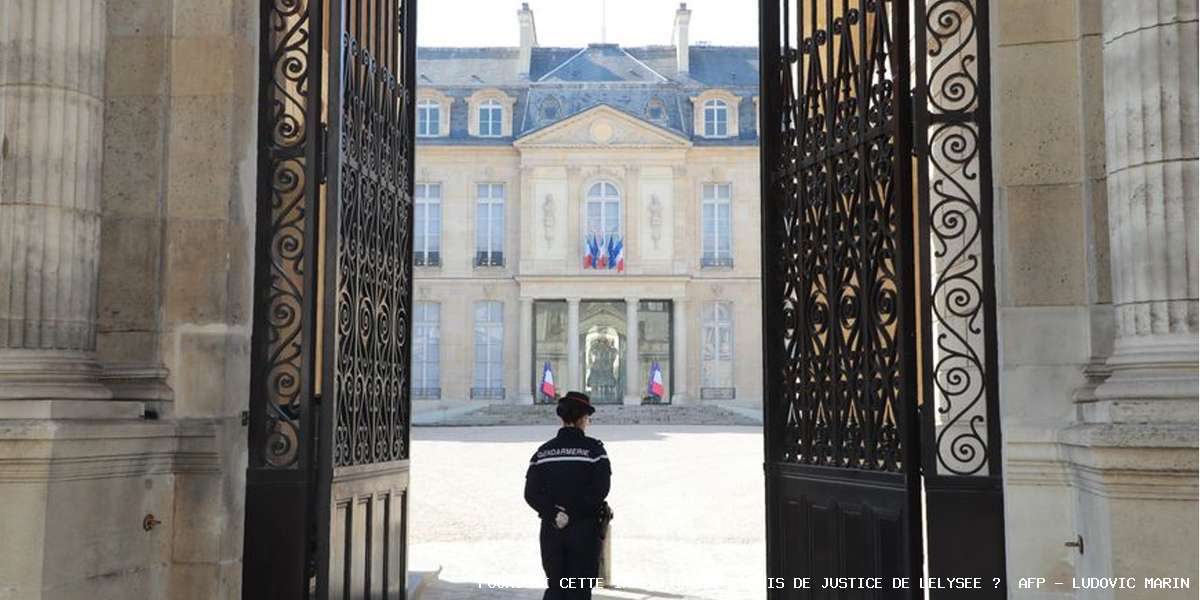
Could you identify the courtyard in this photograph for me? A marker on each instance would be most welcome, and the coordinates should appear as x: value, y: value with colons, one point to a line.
x: 687, y: 501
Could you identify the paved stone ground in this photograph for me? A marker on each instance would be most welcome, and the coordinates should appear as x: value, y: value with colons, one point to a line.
x: 688, y: 503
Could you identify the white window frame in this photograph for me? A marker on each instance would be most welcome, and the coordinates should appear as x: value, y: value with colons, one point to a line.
x: 489, y: 224
x: 716, y: 357
x: 427, y: 348
x: 425, y: 126
x: 718, y: 229
x: 606, y: 195
x: 716, y: 115
x: 491, y: 128
x: 427, y: 199
x: 488, y: 372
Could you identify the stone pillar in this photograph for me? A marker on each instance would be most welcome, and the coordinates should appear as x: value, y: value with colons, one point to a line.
x: 679, y: 329
x: 573, y: 375
x: 633, y: 383
x: 1132, y: 456
x: 1150, y: 84
x: 51, y: 128
x: 525, y: 360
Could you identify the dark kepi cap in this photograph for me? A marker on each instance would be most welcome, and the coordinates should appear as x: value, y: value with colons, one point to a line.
x: 581, y: 398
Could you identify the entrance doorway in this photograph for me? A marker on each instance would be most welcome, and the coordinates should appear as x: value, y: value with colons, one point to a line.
x: 877, y: 298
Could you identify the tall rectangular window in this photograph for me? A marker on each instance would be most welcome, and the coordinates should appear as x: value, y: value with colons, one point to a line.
x: 716, y: 351
x: 491, y: 116
x: 427, y: 216
x: 489, y: 350
x: 429, y: 118
x: 426, y: 350
x: 489, y: 225
x: 716, y: 207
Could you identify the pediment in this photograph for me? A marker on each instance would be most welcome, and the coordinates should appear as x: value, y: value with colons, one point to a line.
x: 604, y: 127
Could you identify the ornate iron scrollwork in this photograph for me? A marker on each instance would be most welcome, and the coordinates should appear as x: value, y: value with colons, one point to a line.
x: 837, y: 188
x: 958, y: 299
x: 284, y: 234
x: 373, y: 273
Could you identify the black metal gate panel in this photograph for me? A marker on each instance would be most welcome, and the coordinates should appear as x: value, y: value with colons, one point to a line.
x: 960, y: 403
x: 363, y: 474
x: 326, y: 504
x: 842, y: 464
x: 879, y: 309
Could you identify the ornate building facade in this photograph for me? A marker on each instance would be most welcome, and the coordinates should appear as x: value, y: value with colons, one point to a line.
x: 588, y: 211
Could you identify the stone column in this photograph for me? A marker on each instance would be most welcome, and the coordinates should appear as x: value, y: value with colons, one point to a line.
x: 573, y: 379
x: 633, y: 383
x: 1132, y: 456
x: 1150, y: 82
x: 679, y: 350
x: 51, y: 125
x: 525, y: 360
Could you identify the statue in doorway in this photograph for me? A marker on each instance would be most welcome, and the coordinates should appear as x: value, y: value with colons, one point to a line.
x: 602, y: 371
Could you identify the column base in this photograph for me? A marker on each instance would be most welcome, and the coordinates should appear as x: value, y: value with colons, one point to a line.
x: 632, y: 401
x: 50, y: 375
x: 1152, y: 380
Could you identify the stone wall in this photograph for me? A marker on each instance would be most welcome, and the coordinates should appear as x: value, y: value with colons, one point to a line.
x: 141, y: 192
x: 1090, y: 433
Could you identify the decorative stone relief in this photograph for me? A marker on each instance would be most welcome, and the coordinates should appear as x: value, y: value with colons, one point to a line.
x: 656, y: 219
x: 602, y: 131
x: 548, y: 218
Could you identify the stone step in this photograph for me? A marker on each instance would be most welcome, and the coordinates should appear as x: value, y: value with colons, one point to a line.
x: 524, y: 414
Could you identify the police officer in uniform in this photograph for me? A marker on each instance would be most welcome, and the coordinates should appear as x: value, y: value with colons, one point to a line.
x: 567, y: 482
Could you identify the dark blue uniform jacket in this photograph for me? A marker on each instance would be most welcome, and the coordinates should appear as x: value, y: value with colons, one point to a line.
x: 571, y: 471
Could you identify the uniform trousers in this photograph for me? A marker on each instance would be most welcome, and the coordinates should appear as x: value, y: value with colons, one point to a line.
x: 572, y: 552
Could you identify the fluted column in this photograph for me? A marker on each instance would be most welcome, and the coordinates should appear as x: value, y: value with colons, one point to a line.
x: 633, y: 382
x: 1150, y: 80
x: 573, y: 380
x: 525, y: 360
x: 51, y: 123
x: 679, y: 329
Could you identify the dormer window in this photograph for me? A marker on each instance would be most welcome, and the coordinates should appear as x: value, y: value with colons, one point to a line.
x: 715, y: 114
x: 490, y: 113
x: 433, y: 113
x: 716, y: 118
x: 491, y: 119
x: 656, y: 111
x: 550, y: 109
x: 429, y: 118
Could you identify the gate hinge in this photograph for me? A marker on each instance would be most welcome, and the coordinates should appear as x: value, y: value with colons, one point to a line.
x: 322, y: 153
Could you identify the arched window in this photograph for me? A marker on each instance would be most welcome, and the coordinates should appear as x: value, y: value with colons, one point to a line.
x: 429, y: 118
x: 603, y: 209
x: 716, y: 118
x: 603, y: 246
x: 491, y: 115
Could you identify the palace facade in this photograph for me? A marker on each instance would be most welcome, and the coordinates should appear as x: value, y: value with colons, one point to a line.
x: 592, y: 211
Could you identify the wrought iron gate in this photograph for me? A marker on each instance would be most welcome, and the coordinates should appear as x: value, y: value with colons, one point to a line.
x: 327, y: 480
x: 879, y: 316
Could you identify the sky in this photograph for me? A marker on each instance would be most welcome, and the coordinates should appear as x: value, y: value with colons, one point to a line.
x: 578, y: 22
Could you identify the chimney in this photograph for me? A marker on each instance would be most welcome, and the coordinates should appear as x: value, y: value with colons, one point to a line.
x: 528, y: 38
x: 682, y: 16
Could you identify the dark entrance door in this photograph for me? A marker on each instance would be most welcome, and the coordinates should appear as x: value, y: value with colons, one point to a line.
x: 879, y: 313
x: 329, y: 420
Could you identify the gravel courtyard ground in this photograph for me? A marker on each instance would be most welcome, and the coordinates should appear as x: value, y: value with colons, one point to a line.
x: 688, y: 502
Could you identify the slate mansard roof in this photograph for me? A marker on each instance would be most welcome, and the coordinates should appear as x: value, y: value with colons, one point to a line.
x: 563, y: 82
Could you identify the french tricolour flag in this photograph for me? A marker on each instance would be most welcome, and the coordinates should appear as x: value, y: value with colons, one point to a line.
x: 655, y: 386
x: 548, y: 380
